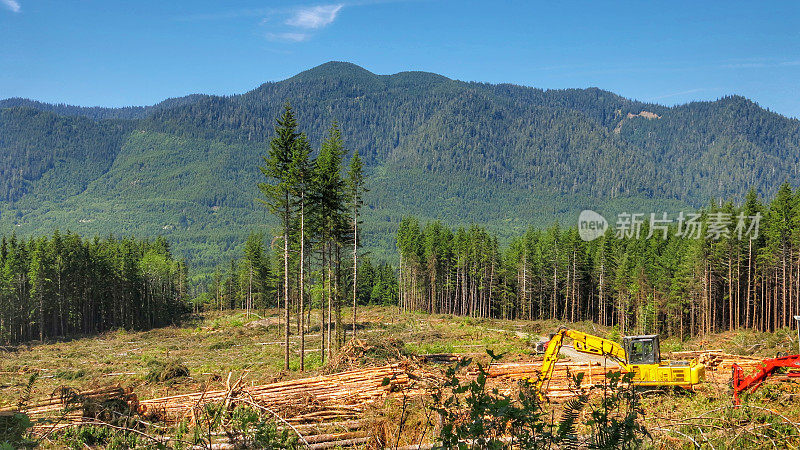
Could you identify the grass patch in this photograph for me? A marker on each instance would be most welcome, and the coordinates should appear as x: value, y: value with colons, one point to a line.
x: 222, y: 344
x: 70, y: 374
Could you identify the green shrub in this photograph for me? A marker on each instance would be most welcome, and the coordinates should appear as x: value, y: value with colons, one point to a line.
x: 13, y: 428
x: 92, y: 436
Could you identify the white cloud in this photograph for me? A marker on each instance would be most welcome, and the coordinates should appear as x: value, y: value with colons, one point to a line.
x: 13, y: 5
x: 288, y: 37
x: 311, y: 17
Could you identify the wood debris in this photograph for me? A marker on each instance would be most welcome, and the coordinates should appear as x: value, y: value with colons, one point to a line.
x: 329, y: 410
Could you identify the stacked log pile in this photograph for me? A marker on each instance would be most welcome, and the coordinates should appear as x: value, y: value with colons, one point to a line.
x: 327, y: 410
x: 66, y: 407
x: 334, y: 434
x: 338, y: 395
x: 559, y: 385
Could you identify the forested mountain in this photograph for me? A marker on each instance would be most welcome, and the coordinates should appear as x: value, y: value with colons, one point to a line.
x: 504, y: 156
x: 99, y: 112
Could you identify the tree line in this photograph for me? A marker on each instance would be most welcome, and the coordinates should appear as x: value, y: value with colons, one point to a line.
x: 63, y: 285
x: 665, y: 279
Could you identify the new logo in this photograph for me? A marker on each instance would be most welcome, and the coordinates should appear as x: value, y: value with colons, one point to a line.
x: 591, y: 225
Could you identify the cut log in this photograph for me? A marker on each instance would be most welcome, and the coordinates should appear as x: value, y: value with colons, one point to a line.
x: 337, y: 444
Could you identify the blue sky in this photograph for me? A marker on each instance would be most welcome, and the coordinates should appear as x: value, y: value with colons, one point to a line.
x: 116, y: 53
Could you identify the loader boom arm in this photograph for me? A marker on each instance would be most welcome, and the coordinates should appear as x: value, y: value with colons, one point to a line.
x: 765, y: 370
x: 584, y: 343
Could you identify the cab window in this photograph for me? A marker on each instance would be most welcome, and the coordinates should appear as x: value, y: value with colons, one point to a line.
x: 642, y: 352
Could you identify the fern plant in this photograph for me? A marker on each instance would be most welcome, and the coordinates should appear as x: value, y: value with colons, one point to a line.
x: 567, y: 432
x: 27, y: 392
x: 617, y: 421
x: 14, y: 425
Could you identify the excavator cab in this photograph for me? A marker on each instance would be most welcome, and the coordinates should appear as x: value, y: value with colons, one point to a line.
x: 643, y: 349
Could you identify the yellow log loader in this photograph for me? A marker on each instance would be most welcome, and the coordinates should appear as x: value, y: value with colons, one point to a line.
x: 638, y: 354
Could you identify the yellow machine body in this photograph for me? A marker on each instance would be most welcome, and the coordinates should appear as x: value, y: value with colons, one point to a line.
x: 638, y: 354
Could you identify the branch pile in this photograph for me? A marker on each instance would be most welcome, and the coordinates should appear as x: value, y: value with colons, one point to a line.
x: 358, y: 353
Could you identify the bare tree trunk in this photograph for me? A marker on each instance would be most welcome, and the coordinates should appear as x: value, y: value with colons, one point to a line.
x: 748, y: 299
x: 286, y: 286
x: 555, y: 290
x: 730, y: 293
x: 785, y: 317
x: 322, y: 323
x: 776, y: 320
x: 705, y: 299
x: 330, y: 303
x: 250, y: 291
x: 601, y: 300
x: 491, y: 292
x: 355, y: 266
x: 302, y: 284
x: 41, y: 314
x: 340, y: 329
x: 400, y: 287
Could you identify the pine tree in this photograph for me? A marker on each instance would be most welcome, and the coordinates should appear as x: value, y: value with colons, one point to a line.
x: 38, y: 276
x: 301, y: 170
x: 277, y: 193
x: 329, y: 198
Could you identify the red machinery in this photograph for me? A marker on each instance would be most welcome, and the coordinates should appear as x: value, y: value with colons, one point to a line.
x: 768, y: 366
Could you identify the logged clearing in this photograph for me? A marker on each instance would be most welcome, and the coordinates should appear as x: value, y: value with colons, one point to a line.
x: 377, y: 389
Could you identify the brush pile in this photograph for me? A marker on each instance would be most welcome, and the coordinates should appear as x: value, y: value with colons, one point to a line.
x: 359, y: 353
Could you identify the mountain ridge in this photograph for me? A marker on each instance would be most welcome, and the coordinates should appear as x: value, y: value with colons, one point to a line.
x: 503, y: 155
